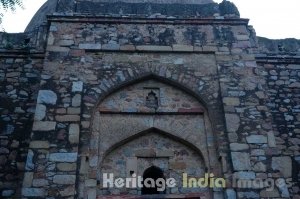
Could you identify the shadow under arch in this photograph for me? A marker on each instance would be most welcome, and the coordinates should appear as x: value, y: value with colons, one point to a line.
x: 153, y: 173
x: 160, y: 132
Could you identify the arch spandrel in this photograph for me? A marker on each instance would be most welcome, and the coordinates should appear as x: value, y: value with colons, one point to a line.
x: 135, y: 98
x: 117, y: 127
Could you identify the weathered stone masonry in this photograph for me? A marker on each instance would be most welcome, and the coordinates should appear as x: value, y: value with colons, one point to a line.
x: 86, y: 77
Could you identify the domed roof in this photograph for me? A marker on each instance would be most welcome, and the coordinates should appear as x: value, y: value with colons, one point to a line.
x: 140, y: 8
x: 40, y: 16
x: 52, y: 6
x: 157, y: 1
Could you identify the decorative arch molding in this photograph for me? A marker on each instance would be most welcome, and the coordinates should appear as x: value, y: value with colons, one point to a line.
x: 181, y: 85
x: 160, y: 132
x: 210, y: 158
x: 173, y: 157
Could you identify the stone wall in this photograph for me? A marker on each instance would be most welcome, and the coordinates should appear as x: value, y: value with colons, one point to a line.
x: 19, y: 85
x: 250, y: 99
x: 279, y: 46
x: 82, y: 73
x: 283, y: 76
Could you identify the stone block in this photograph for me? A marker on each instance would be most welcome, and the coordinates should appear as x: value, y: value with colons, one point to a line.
x: 40, y: 112
x: 66, y: 166
x: 178, y: 165
x: 27, y: 180
x: 76, y: 100
x: 38, y: 144
x: 77, y: 86
x: 232, y: 122
x: 238, y: 147
x: 111, y: 46
x: 77, y: 52
x: 69, y: 191
x: 90, y: 183
x: 153, y: 48
x: 53, y: 28
x: 13, y: 74
x: 46, y: 97
x: 43, y: 126
x: 8, y: 193
x: 282, y: 164
x: 283, y: 188
x: 233, y: 137
x: 84, y: 165
x: 64, y: 179
x: 183, y: 48
x: 230, y: 194
x: 63, y: 157
x: 74, y: 111
x: 257, y: 139
x: 248, y: 194
x: 61, y: 111
x: 244, y: 175
x: 58, y: 49
x: 88, y: 46
x: 242, y: 37
x: 29, y: 161
x: 164, y: 153
x: 257, y: 152
x: 93, y: 161
x: 210, y: 48
x: 33, y: 192
x: 66, y: 42
x: 231, y: 101
x: 259, y: 167
x: 127, y: 47
x: 145, y: 153
x: 51, y: 39
x: 269, y: 194
x: 241, y: 161
x: 67, y: 118
x: 74, y: 133
x: 40, y: 183
x: 293, y: 67
x: 294, y: 85
x: 92, y: 194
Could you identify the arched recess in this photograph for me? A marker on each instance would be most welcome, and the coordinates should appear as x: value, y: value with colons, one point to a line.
x: 112, y: 127
x: 153, y: 148
x: 160, y: 132
x: 153, y: 172
x: 152, y: 76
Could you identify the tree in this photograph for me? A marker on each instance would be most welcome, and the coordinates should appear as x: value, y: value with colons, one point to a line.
x: 9, y: 5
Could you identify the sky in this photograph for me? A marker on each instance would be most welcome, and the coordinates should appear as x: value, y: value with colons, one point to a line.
x: 273, y: 19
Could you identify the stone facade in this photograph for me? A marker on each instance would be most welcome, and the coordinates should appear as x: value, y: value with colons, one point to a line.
x: 184, y: 87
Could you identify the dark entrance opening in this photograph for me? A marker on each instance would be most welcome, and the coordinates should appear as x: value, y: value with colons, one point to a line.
x: 153, y: 173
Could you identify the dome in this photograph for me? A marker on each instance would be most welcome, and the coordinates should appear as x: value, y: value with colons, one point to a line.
x: 139, y: 8
x: 40, y: 16
x: 157, y: 1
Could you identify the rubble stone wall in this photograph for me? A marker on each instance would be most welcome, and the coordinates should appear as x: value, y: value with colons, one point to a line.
x: 251, y: 101
x: 19, y: 85
x: 283, y: 76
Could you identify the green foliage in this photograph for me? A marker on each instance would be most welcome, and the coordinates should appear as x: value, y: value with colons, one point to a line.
x: 9, y: 5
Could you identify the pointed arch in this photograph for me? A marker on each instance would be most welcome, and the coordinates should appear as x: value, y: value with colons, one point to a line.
x: 159, y: 132
x: 152, y: 76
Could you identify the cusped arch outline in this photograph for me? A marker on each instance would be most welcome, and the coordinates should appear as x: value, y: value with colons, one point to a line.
x: 154, y: 130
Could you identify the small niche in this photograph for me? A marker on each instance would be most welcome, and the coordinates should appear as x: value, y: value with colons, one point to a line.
x: 152, y: 98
